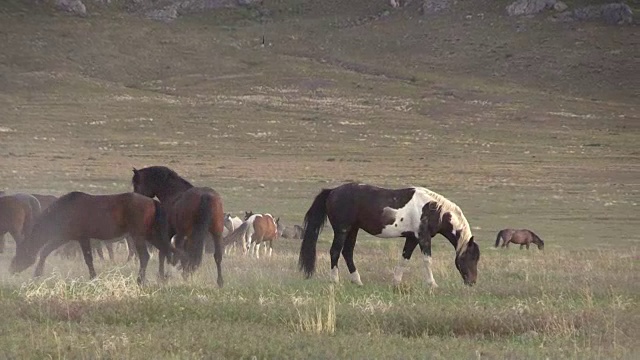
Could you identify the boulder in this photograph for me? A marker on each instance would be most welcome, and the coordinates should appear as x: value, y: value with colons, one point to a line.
x: 529, y: 7
x: 75, y: 7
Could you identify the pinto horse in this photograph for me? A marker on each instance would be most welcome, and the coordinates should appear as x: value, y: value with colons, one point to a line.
x: 255, y: 230
x: 82, y: 217
x: 524, y: 237
x: 415, y: 213
x: 194, y: 213
x: 17, y: 215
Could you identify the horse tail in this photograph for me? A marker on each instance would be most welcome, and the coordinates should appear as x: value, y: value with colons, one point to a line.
x: 162, y: 230
x: 200, y: 230
x: 314, y: 220
x: 498, y: 238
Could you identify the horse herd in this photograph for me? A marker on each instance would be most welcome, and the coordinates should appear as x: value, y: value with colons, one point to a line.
x: 183, y: 222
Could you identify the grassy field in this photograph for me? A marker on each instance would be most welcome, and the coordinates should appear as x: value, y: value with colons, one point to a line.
x: 521, y: 122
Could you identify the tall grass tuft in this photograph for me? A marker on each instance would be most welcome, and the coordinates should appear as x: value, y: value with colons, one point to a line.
x: 322, y: 320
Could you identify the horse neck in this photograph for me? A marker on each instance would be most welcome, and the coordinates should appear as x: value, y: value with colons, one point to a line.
x: 172, y: 191
x: 452, y: 239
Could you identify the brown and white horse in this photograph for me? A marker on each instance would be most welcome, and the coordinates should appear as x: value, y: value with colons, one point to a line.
x: 415, y: 213
x: 256, y: 229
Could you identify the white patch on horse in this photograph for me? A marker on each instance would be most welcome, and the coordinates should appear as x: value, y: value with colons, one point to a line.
x: 334, y: 275
x: 429, y: 273
x: 355, y: 278
x: 407, y: 219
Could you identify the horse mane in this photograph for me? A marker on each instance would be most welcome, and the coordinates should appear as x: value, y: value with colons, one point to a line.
x: 444, y: 205
x: 162, y: 174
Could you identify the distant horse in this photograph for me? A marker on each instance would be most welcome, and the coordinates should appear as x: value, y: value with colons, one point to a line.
x: 230, y: 224
x: 415, y: 213
x: 256, y: 229
x: 80, y: 216
x: 194, y: 213
x: 523, y: 237
x: 17, y: 215
x: 292, y: 232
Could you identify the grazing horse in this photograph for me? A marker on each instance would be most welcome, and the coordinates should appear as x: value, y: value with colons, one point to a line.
x: 82, y: 217
x: 523, y: 237
x: 256, y: 229
x: 17, y: 215
x: 415, y: 213
x: 194, y: 213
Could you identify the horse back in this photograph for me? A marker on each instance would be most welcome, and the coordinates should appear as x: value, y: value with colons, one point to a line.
x: 13, y: 212
x: 265, y: 227
x: 184, y: 211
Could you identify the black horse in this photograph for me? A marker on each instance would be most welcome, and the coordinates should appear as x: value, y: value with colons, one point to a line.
x: 415, y: 213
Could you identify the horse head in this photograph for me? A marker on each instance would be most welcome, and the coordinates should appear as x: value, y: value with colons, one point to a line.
x: 467, y: 262
x: 247, y: 214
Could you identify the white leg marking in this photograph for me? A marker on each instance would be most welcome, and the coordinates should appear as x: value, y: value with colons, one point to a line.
x: 355, y: 278
x: 427, y: 265
x: 399, y: 270
x: 334, y: 275
x: 270, y: 251
x: 257, y: 251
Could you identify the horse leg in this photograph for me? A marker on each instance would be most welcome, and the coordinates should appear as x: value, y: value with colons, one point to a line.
x: 270, y: 248
x: 85, y: 245
x: 339, y: 238
x: 347, y: 254
x: 2, y: 243
x: 410, y: 244
x: 506, y: 243
x: 424, y: 241
x: 109, y: 247
x: 522, y: 245
x: 143, y: 255
x: 526, y: 246
x: 98, y: 247
x: 46, y: 250
x: 217, y: 255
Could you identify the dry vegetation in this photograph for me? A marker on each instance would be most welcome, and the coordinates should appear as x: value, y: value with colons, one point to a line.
x: 522, y: 122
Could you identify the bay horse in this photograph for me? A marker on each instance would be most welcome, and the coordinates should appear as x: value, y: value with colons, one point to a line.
x: 524, y: 237
x: 415, y: 213
x: 17, y: 216
x: 80, y: 216
x: 255, y: 230
x: 195, y: 213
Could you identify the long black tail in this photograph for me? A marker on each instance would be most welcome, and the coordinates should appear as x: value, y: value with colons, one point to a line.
x: 314, y: 220
x: 161, y: 230
x: 498, y: 238
x: 200, y: 231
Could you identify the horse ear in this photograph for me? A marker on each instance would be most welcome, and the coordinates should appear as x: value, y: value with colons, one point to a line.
x: 471, y: 240
x: 135, y: 171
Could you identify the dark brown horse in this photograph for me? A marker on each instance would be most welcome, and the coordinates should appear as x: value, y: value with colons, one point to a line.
x: 195, y: 213
x: 523, y: 237
x: 82, y: 217
x: 415, y: 213
x: 17, y: 215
